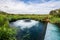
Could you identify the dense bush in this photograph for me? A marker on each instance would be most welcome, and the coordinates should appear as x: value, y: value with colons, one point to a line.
x: 55, y: 12
x: 7, y: 33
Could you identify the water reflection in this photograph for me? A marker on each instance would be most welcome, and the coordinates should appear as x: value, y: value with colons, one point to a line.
x: 31, y: 30
x: 24, y: 23
x: 35, y: 30
x: 53, y: 32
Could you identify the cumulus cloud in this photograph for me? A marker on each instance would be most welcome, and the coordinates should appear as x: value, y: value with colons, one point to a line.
x: 14, y: 6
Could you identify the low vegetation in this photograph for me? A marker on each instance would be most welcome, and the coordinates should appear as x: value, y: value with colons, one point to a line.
x: 55, y: 16
x: 7, y: 33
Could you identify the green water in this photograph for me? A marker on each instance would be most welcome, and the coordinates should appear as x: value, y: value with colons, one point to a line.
x: 53, y: 32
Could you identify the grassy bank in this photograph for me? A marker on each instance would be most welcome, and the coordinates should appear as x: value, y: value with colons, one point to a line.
x: 7, y: 33
x: 5, y: 18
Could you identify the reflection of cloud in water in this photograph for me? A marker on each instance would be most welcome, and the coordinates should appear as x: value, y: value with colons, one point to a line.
x: 22, y: 24
x: 31, y: 30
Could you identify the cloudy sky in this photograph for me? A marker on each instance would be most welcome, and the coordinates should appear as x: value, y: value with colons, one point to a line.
x: 29, y: 6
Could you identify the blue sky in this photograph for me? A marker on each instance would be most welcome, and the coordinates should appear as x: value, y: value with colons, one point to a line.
x: 37, y: 1
x: 29, y: 6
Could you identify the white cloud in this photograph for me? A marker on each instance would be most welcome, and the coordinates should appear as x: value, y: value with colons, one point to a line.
x: 21, y: 7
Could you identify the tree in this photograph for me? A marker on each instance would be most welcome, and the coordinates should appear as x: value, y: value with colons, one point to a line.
x: 55, y: 12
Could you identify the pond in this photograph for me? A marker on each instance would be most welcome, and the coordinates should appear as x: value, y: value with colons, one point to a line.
x: 35, y: 30
x: 29, y: 29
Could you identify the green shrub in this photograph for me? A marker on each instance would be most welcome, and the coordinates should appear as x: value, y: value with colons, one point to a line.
x: 7, y: 33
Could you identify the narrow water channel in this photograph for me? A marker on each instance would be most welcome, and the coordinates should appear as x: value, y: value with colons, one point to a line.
x: 53, y: 32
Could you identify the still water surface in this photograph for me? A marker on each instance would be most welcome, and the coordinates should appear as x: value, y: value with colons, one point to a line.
x: 29, y: 29
x: 34, y: 30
